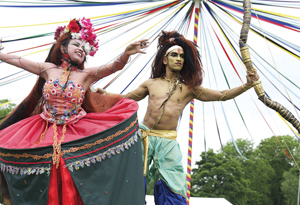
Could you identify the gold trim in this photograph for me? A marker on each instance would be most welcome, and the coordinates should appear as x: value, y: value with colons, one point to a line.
x: 87, y: 146
x: 197, y: 96
x: 26, y: 155
x: 72, y: 149
x: 206, y: 94
x: 135, y: 95
x: 42, y: 135
x: 224, y: 94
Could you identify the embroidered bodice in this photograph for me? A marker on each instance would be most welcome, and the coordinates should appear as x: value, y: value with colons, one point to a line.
x: 64, y: 97
x: 63, y: 101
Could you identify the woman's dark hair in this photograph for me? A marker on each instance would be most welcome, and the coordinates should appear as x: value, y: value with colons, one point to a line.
x: 192, y: 72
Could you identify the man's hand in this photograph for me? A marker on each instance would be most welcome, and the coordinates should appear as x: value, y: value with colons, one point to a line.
x: 136, y: 47
x: 100, y: 91
x: 251, y: 78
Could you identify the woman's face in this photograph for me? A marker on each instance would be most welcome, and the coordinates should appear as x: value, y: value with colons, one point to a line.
x: 76, y: 51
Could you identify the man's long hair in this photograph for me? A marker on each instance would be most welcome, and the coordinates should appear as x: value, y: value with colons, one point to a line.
x: 192, y: 72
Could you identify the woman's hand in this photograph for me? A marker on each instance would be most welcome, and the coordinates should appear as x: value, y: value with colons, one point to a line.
x: 136, y: 47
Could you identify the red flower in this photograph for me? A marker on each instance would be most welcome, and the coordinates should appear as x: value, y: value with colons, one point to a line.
x: 73, y: 26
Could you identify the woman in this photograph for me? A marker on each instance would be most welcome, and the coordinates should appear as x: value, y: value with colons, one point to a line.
x: 54, y: 147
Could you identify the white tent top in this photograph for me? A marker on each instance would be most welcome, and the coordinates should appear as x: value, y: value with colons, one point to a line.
x: 196, y: 201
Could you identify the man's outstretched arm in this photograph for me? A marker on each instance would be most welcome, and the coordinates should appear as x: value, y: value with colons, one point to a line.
x: 205, y: 94
x: 138, y: 94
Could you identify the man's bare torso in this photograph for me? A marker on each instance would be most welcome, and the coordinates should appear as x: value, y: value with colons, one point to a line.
x: 158, y: 89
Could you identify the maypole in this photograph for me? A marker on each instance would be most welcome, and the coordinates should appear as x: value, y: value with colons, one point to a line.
x: 191, y: 121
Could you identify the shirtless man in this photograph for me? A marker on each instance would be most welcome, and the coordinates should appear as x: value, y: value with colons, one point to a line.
x: 175, y: 80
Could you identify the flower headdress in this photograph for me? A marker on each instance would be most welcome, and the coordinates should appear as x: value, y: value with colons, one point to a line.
x: 81, y: 29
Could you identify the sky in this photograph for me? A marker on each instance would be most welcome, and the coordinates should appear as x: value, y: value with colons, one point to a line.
x: 209, y: 118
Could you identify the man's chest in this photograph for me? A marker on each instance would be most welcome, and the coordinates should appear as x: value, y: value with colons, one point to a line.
x: 164, y: 90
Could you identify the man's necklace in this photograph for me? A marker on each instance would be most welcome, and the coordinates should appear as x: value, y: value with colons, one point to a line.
x: 171, y: 89
x: 176, y: 82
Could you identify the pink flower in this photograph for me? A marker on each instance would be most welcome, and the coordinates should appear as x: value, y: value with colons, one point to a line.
x: 82, y: 35
x: 96, y: 43
x: 58, y: 31
x: 92, y: 53
x: 85, y: 23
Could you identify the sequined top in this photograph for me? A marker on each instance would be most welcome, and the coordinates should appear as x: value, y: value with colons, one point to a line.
x: 63, y: 101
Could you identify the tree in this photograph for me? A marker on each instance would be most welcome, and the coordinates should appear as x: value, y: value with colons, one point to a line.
x: 246, y: 148
x: 5, y: 109
x: 256, y: 170
x: 289, y: 187
x: 278, y: 159
x: 290, y: 182
x: 221, y: 177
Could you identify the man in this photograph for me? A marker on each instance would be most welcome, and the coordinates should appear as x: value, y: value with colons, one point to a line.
x: 175, y: 80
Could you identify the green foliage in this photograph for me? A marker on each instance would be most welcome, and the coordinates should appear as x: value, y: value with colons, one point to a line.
x: 289, y: 187
x: 278, y: 160
x: 267, y: 177
x: 290, y: 182
x: 257, y: 170
x: 219, y: 177
x: 245, y: 147
x: 5, y: 109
